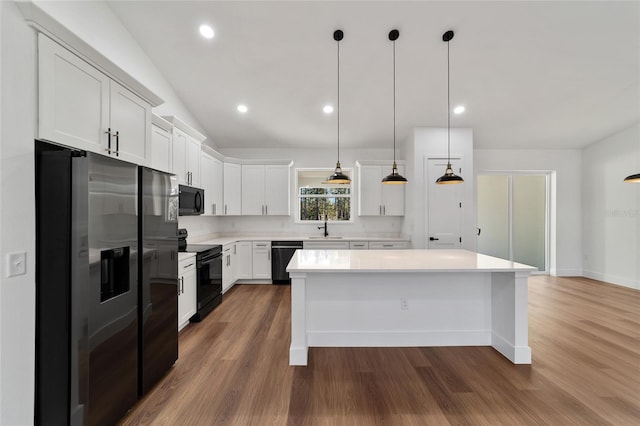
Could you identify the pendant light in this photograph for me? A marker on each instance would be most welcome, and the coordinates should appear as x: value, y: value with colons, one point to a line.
x: 394, y: 178
x: 338, y: 176
x: 633, y: 178
x: 448, y: 177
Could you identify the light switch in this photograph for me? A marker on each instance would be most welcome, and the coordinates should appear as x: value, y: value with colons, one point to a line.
x: 16, y: 264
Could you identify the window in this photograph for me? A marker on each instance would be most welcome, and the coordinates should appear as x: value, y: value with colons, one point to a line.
x: 317, y: 200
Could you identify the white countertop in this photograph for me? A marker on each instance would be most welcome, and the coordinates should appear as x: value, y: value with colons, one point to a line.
x: 185, y: 255
x: 400, y: 261
x: 280, y: 237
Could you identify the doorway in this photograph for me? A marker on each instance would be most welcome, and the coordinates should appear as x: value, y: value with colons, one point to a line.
x: 513, y: 217
x: 444, y: 206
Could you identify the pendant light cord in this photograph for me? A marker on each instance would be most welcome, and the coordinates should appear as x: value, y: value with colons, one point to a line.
x: 448, y: 109
x: 338, y: 102
x: 394, y: 102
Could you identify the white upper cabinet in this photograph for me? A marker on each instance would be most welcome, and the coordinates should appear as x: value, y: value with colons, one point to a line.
x: 376, y: 199
x: 79, y: 106
x: 161, y: 149
x: 211, y: 177
x: 232, y: 189
x: 266, y: 190
x: 186, y: 148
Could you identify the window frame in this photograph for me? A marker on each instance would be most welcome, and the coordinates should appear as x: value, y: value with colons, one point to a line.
x: 348, y: 171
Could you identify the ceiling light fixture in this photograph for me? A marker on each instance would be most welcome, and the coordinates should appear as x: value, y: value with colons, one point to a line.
x: 242, y: 108
x: 459, y: 109
x: 338, y: 176
x: 633, y: 178
x: 394, y: 178
x: 448, y: 177
x: 328, y: 109
x: 206, y: 31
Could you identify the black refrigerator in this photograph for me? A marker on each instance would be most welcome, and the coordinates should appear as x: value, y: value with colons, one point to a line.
x: 92, y: 306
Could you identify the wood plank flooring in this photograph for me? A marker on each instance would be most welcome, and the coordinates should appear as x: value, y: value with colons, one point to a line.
x: 233, y: 369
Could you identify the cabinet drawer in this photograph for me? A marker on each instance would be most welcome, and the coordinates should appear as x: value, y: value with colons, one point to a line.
x: 326, y: 245
x: 388, y: 245
x: 187, y: 264
x: 358, y: 245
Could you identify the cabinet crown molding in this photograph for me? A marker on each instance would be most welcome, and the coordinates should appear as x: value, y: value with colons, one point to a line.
x: 179, y: 124
x: 161, y: 122
x: 47, y: 25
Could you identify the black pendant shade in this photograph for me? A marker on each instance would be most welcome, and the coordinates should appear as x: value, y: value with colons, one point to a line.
x: 448, y: 177
x: 633, y: 178
x: 394, y: 178
x: 337, y: 176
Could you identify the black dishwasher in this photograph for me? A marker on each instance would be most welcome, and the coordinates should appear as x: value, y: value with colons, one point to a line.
x: 281, y: 254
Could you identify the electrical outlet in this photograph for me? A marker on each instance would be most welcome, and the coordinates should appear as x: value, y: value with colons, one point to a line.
x: 16, y: 264
x: 404, y: 304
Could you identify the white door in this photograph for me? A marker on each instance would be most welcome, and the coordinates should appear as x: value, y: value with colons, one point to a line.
x: 444, y: 206
x: 207, y: 179
x: 276, y: 190
x: 215, y: 197
x: 193, y: 161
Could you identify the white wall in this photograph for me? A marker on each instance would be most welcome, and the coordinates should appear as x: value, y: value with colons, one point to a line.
x: 566, y: 165
x: 302, y: 158
x: 431, y: 142
x: 98, y: 26
x: 17, y: 218
x: 611, y: 227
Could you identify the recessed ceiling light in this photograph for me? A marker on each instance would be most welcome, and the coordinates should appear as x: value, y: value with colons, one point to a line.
x: 328, y: 109
x: 206, y: 31
x: 458, y: 110
x: 242, y: 108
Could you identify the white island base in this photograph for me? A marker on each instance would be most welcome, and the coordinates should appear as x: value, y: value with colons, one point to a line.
x: 377, y: 298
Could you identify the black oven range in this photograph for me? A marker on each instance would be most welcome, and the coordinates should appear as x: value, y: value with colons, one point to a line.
x: 208, y: 273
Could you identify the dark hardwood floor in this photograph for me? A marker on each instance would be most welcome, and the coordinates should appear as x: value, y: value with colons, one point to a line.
x: 233, y: 369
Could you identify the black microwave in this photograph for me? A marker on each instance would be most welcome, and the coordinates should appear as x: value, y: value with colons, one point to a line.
x: 191, y: 201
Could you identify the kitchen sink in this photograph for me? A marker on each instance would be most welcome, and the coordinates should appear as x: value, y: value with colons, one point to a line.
x: 325, y: 238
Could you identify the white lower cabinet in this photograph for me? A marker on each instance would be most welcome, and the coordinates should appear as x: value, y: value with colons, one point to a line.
x: 244, y: 260
x: 326, y: 245
x: 262, y: 260
x: 186, y: 291
x: 229, y: 254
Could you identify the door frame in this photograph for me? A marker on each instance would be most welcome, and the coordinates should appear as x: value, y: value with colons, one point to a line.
x: 427, y: 183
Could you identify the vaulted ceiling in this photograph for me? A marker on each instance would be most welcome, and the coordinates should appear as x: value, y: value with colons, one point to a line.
x: 537, y: 74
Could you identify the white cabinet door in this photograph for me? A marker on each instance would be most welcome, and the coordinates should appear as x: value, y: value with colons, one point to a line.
x: 73, y: 98
x: 216, y: 197
x: 130, y: 119
x: 193, y: 160
x: 228, y: 270
x: 370, y: 191
x: 180, y: 156
x: 244, y: 260
x: 277, y: 190
x: 358, y: 245
x: 377, y: 199
x: 160, y: 149
x: 207, y: 182
x: 253, y: 190
x: 186, y: 291
x: 232, y: 189
x: 262, y: 260
x: 392, y: 195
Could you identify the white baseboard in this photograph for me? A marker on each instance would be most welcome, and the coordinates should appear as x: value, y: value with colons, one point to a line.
x: 612, y: 279
x: 399, y: 338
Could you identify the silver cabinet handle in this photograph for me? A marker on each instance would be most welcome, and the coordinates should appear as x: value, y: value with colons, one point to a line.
x: 384, y: 210
x: 225, y: 209
x: 117, y: 143
x: 262, y: 209
x: 380, y: 208
x: 269, y: 255
x: 266, y: 209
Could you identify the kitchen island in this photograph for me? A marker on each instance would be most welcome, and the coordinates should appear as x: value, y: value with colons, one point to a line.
x: 370, y: 298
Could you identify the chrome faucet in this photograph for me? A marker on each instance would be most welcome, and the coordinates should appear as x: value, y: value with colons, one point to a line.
x: 326, y: 231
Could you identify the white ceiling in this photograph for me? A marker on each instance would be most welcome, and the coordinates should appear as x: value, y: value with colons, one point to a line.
x: 537, y: 74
